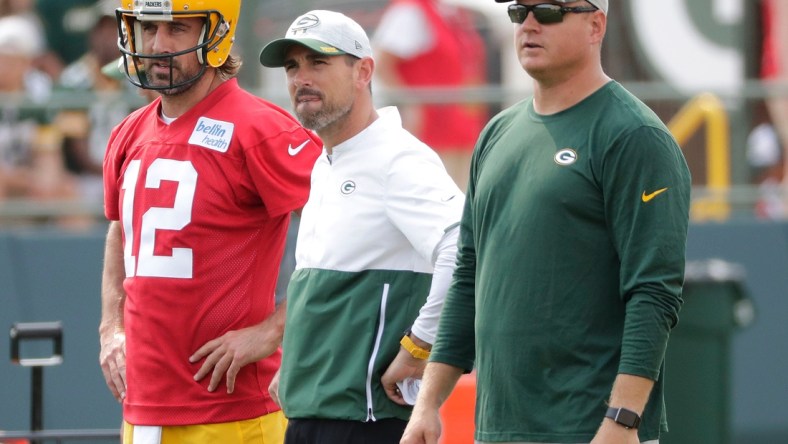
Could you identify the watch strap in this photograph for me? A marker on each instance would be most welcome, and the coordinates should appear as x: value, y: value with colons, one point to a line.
x: 414, y: 350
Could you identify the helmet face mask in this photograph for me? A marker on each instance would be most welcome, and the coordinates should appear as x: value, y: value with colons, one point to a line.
x: 220, y: 18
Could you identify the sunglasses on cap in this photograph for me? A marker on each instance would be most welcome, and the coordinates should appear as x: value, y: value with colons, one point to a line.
x: 544, y: 13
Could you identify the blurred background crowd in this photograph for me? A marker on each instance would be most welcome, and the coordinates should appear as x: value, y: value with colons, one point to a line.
x: 58, y: 106
x: 448, y: 64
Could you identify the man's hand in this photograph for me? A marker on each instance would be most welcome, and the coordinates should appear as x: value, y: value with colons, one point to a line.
x: 611, y: 433
x: 233, y: 350
x: 424, y: 426
x: 631, y: 392
x: 112, y: 358
x: 403, y: 366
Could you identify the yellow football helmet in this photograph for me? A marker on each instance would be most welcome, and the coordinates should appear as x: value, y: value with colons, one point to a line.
x: 213, y: 48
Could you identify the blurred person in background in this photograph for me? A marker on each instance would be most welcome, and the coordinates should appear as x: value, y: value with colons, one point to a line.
x: 22, y: 24
x: 199, y: 187
x: 86, y: 130
x: 774, y: 68
x: 85, y: 73
x: 31, y: 166
x: 46, y: 61
x: 376, y: 246
x: 571, y: 255
x: 25, y: 9
x: 765, y: 157
x: 432, y: 44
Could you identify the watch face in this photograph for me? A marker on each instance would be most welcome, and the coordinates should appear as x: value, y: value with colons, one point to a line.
x: 627, y: 418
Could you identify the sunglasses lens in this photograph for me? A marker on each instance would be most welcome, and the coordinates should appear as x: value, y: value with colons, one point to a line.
x: 517, y: 13
x: 547, y: 13
x: 543, y: 13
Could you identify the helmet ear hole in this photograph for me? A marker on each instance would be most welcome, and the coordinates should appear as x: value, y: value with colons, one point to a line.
x: 222, y: 29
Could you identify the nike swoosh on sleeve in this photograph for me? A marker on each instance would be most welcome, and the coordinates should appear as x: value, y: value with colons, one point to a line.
x: 647, y: 197
x: 293, y: 151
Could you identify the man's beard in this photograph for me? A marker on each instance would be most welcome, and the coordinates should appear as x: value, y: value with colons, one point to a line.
x: 175, y: 78
x: 329, y: 114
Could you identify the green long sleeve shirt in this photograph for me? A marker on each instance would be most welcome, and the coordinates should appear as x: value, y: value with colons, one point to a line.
x: 570, y: 266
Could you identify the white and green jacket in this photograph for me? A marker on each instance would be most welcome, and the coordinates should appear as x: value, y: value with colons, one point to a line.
x: 379, y: 206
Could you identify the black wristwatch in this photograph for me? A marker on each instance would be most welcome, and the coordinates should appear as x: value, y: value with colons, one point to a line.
x: 625, y: 417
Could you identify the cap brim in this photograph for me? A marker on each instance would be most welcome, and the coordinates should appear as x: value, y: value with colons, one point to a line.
x: 114, y: 70
x: 273, y: 54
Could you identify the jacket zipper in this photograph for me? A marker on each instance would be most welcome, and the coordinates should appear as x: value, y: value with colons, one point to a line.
x: 378, y: 338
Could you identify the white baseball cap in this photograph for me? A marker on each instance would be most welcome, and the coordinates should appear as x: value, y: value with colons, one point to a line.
x: 601, y: 4
x: 327, y: 32
x: 19, y: 36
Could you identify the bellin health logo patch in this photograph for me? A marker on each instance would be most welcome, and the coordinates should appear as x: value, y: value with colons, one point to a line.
x: 212, y: 134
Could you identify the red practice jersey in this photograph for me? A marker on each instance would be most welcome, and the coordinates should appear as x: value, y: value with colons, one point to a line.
x: 204, y: 203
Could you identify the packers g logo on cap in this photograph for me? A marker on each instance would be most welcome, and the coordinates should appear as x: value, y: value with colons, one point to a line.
x: 305, y: 22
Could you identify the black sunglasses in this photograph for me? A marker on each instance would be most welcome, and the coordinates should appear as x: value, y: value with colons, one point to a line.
x: 544, y: 13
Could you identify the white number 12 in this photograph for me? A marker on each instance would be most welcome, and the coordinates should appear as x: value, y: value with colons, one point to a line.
x: 179, y: 264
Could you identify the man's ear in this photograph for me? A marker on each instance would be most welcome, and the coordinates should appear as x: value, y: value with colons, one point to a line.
x: 365, y: 68
x: 598, y: 27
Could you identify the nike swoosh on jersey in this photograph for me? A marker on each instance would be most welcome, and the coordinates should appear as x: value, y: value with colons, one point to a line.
x: 293, y: 151
x: 647, y: 197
